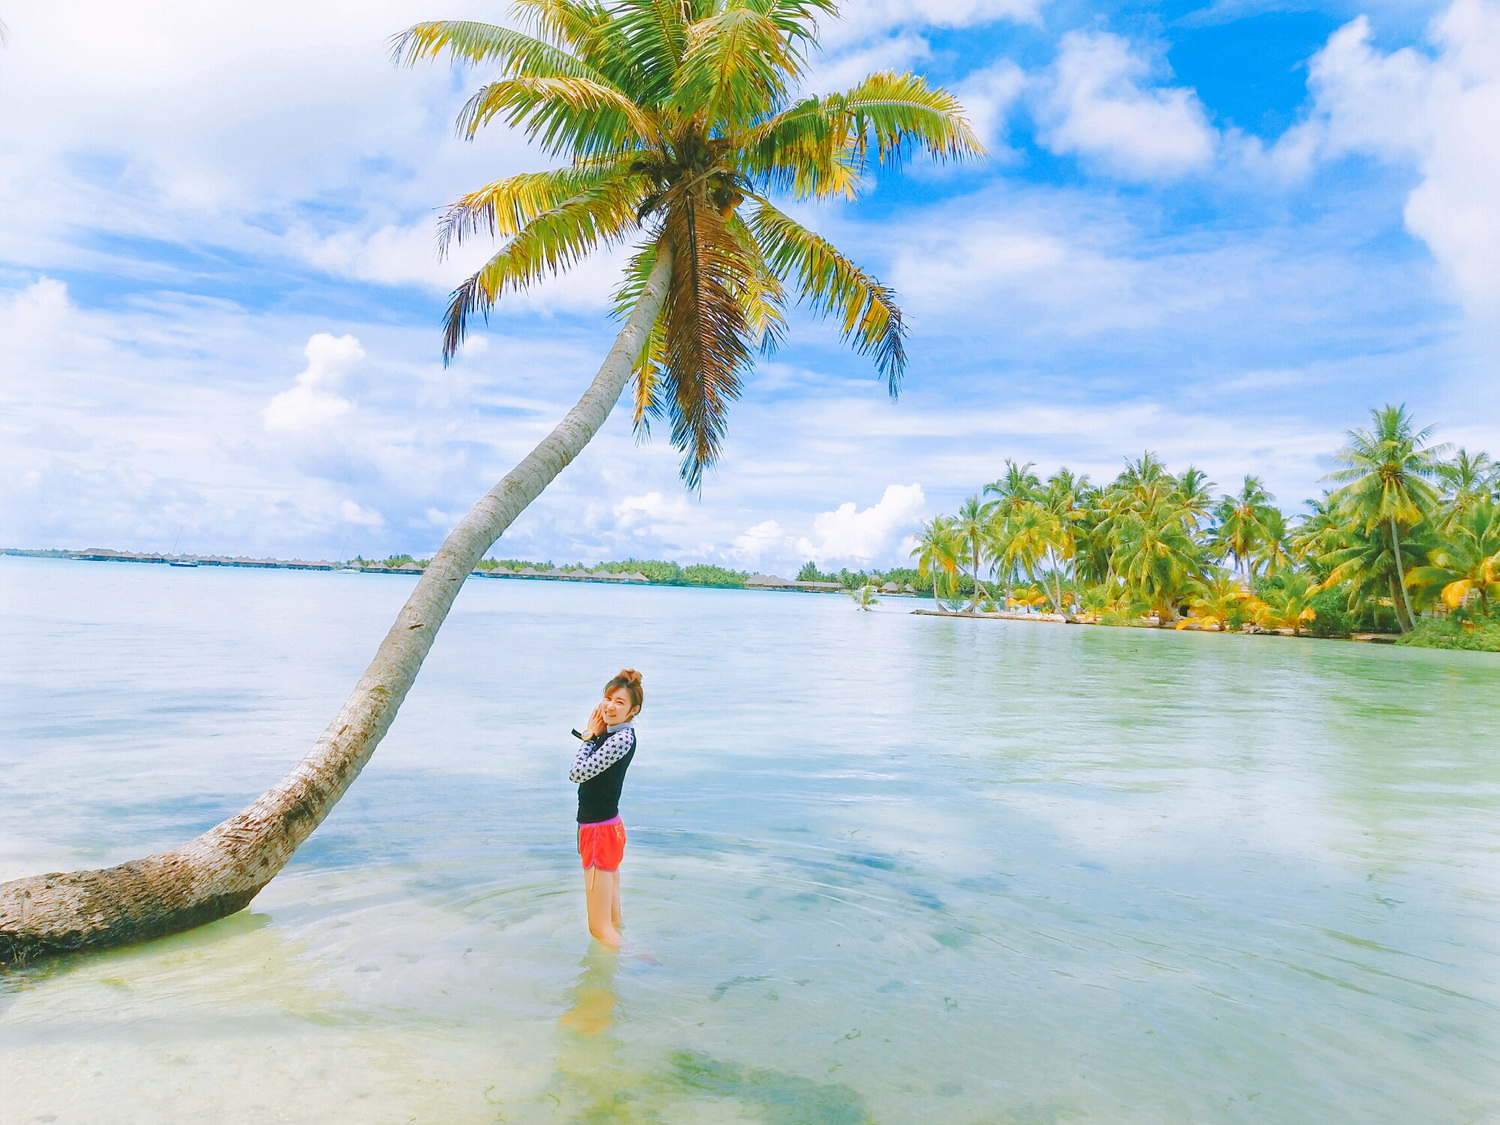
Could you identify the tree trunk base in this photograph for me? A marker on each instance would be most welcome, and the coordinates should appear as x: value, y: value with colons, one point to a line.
x: 104, y: 912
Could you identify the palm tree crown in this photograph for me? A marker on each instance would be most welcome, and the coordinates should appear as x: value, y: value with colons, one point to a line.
x: 1387, y: 486
x: 679, y: 120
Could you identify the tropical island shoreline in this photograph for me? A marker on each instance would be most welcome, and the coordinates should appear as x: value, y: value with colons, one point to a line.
x: 645, y: 572
x: 490, y: 568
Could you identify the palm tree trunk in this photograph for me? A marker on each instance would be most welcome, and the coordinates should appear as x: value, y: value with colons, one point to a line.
x: 1408, y: 622
x: 220, y: 871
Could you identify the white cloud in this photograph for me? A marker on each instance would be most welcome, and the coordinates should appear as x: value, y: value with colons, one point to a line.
x: 887, y: 34
x: 987, y: 95
x: 311, y: 402
x: 862, y: 535
x: 754, y: 544
x: 1440, y: 113
x: 1095, y: 105
x: 358, y: 514
x: 169, y: 121
x: 651, y: 511
x: 868, y: 18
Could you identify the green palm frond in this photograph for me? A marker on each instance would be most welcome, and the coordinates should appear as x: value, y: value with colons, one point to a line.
x: 562, y: 114
x: 650, y: 365
x: 577, y: 26
x: 512, y: 51
x: 870, y: 318
x: 737, y: 63
x: 657, y: 32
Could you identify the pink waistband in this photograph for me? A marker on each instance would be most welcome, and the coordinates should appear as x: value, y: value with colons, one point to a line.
x: 601, y: 823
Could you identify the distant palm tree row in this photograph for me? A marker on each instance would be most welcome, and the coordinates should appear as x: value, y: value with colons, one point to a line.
x: 1409, y: 533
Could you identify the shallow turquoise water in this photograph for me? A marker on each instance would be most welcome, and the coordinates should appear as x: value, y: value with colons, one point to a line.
x: 884, y: 868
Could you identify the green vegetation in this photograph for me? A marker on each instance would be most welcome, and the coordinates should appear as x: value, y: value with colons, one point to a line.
x: 1478, y: 633
x: 701, y: 574
x: 660, y: 573
x: 902, y: 576
x: 1408, y: 541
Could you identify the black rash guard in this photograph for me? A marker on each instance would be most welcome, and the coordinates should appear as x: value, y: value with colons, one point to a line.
x: 599, y: 768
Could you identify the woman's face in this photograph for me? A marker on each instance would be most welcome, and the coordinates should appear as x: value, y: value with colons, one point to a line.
x: 617, y: 707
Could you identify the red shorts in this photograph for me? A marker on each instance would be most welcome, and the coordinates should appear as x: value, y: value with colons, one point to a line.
x: 602, y: 845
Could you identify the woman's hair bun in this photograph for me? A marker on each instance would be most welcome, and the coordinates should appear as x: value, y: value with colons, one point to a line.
x: 630, y: 680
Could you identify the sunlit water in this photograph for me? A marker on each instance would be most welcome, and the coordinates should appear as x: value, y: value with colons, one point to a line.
x: 883, y: 867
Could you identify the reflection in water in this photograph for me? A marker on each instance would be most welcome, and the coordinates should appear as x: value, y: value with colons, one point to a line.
x: 594, y: 1082
x: 594, y: 996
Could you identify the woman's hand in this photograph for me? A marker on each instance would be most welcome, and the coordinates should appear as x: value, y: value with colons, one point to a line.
x: 596, y: 724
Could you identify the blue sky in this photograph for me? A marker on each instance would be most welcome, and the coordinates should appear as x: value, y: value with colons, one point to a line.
x: 1222, y: 231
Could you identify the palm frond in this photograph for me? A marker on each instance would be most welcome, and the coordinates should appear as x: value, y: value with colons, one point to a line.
x: 657, y: 33
x: 576, y: 116
x: 735, y: 67
x: 504, y: 207
x: 831, y: 284
x: 706, y: 344
x: 820, y: 145
x: 551, y: 242
x: 651, y: 362
x: 566, y: 22
x: 894, y: 111
x: 763, y: 295
x: 512, y: 51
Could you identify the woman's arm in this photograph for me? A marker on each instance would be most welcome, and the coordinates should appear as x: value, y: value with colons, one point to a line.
x: 593, y: 758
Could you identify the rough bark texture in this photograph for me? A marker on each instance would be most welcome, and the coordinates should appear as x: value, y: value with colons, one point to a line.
x: 220, y: 871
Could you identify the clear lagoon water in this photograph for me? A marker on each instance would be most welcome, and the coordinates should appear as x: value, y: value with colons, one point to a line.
x: 883, y: 867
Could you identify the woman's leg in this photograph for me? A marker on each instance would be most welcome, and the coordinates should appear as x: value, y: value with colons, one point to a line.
x: 599, y: 890
x: 614, y: 877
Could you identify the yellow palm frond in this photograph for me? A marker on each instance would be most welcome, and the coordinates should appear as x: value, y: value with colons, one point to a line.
x: 1455, y: 593
x: 831, y: 284
x: 503, y: 208
x: 551, y: 242
x: 886, y: 114
x: 762, y: 293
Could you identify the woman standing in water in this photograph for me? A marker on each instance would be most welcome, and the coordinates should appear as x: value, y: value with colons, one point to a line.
x: 599, y: 769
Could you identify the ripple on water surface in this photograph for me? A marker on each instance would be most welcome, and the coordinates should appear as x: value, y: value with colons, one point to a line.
x: 883, y: 868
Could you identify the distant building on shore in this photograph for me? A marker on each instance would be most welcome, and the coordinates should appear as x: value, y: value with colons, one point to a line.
x: 772, y: 582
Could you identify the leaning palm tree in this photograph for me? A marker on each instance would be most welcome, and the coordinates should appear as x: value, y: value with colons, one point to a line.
x: 677, y: 123
x: 1387, y: 488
